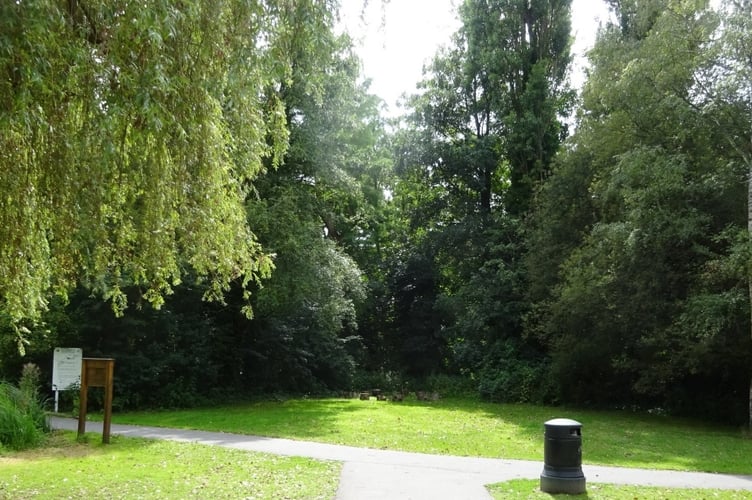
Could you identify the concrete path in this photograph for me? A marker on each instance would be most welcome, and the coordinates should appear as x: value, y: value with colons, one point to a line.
x: 369, y: 474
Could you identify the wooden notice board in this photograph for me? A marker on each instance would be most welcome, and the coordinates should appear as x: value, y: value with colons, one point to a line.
x: 96, y: 372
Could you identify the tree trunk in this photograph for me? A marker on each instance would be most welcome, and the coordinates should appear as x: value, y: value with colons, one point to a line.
x: 749, y: 271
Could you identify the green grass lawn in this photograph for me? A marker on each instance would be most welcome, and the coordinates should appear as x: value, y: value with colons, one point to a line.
x: 137, y: 468
x: 473, y: 428
x: 141, y: 468
x: 523, y: 489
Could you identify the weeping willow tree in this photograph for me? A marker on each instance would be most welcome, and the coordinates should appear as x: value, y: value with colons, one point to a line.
x: 130, y: 135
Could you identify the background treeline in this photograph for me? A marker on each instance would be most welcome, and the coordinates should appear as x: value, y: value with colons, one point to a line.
x: 507, y: 236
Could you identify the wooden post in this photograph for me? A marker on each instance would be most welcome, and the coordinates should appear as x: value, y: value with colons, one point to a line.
x: 83, y: 393
x: 96, y: 372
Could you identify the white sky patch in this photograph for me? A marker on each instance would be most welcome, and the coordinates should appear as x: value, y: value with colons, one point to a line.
x: 395, y: 40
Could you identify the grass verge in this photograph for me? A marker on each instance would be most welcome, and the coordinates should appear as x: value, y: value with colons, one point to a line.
x: 468, y: 427
x: 523, y: 489
x: 140, y: 468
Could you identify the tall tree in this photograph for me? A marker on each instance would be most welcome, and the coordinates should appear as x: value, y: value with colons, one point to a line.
x: 724, y: 94
x: 492, y: 103
x: 307, y: 213
x: 130, y: 139
x: 316, y: 213
x: 519, y: 54
x: 485, y: 128
x: 634, y: 282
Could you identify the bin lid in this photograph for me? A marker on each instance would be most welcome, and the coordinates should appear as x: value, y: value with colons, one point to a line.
x: 562, y: 422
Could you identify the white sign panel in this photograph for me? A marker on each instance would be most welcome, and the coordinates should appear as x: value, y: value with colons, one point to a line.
x: 66, y: 368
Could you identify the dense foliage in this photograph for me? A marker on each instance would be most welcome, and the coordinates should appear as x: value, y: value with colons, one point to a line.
x: 649, y: 296
x: 231, y: 151
x: 23, y: 422
x: 130, y: 139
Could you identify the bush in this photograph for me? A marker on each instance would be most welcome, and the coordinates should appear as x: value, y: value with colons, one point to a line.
x: 23, y: 423
x: 511, y: 375
x: 449, y: 386
x: 384, y: 380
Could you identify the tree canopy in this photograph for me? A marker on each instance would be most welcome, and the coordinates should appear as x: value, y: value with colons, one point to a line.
x: 131, y: 137
x: 506, y: 236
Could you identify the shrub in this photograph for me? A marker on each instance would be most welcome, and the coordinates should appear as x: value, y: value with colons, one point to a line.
x: 23, y: 422
x: 452, y: 385
x: 384, y: 380
x: 512, y: 375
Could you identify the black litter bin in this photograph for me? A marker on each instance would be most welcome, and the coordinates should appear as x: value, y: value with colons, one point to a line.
x: 562, y: 457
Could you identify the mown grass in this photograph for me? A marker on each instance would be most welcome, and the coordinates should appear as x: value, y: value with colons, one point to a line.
x: 140, y: 468
x: 524, y: 489
x: 469, y: 427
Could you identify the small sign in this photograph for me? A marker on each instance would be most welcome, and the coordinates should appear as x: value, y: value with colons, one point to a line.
x: 96, y: 372
x: 66, y: 368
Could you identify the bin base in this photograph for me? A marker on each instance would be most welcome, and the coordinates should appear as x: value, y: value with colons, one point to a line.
x: 569, y: 485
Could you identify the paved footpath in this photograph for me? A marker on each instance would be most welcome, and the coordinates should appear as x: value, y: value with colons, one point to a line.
x: 369, y: 474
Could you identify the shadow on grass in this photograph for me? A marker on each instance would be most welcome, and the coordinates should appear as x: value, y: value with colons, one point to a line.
x: 628, y: 438
x: 472, y: 427
x: 61, y: 444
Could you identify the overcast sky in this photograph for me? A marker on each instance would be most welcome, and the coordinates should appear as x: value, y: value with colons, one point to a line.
x: 395, y: 40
